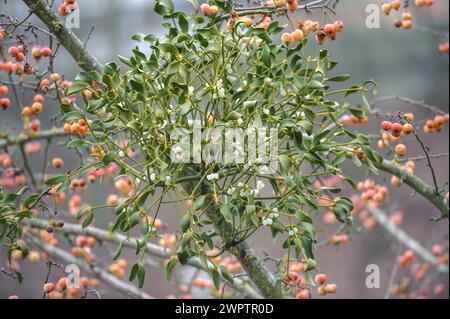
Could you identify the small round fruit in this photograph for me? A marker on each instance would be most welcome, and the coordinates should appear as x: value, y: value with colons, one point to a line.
x: 386, y: 125
x: 49, y: 287
x: 321, y: 279
x: 400, y: 149
x: 57, y: 163
x: 408, y: 129
x: 54, y: 77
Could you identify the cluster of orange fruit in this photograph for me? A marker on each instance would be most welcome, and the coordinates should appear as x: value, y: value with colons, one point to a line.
x: 435, y: 125
x: 79, y: 127
x: 323, y: 33
x: 36, y: 107
x: 406, y: 19
x: 83, y: 248
x: 372, y: 193
x: 348, y: 120
x: 324, y: 289
x: 397, y: 129
x: 118, y: 268
x: 39, y: 52
x: 62, y: 288
x: 339, y: 239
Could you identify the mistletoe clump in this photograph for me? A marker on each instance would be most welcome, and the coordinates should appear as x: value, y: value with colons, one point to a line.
x: 205, y: 75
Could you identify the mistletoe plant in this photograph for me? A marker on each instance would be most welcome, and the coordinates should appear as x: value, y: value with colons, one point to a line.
x: 218, y: 78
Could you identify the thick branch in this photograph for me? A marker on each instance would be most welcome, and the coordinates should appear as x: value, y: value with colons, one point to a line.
x: 317, y: 4
x: 152, y: 249
x: 97, y: 271
x: 269, y: 286
x: 405, y: 239
x: 65, y: 36
x: 8, y: 140
x: 417, y: 184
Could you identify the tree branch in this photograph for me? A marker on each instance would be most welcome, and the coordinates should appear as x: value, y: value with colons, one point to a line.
x: 405, y: 239
x: 64, y: 35
x: 8, y: 140
x: 97, y: 271
x: 152, y: 249
x: 417, y: 184
x: 269, y: 286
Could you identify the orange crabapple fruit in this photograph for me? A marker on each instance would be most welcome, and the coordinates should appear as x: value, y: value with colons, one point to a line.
x: 396, y: 4
x: 5, y: 103
x: 386, y: 7
x: 4, y: 90
x: 57, y: 163
x: 386, y: 125
x: 49, y: 287
x: 408, y: 129
x: 400, y: 149
x: 297, y: 35
x: 331, y: 288
x: 320, y: 279
x: 409, y: 117
x: 286, y: 37
x: 407, y: 24
x: 292, y: 5
x: 54, y: 77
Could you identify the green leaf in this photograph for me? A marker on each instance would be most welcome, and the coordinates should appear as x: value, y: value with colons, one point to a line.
x: 225, y: 274
x: 76, y: 87
x: 75, y: 143
x: 56, y: 180
x: 163, y: 7
x: 185, y: 223
x: 265, y: 56
x: 169, y: 269
x: 216, y: 278
x: 169, y: 48
x: 134, y: 271
x: 363, y: 139
x: 340, y: 158
x: 30, y: 200
x: 339, y: 78
x: 183, y: 22
x: 118, y: 251
x: 199, y: 202
x: 366, y: 106
x: 88, y: 220
x: 23, y: 247
x: 225, y: 212
x: 71, y: 116
x: 141, y: 275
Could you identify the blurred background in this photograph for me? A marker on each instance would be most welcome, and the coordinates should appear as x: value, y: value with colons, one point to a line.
x: 404, y: 63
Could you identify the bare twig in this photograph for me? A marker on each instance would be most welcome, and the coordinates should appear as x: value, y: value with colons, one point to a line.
x: 405, y: 239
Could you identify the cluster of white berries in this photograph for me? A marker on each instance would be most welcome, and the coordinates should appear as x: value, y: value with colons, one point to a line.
x: 293, y: 231
x: 152, y: 174
x: 191, y: 90
x: 267, y: 221
x: 212, y: 177
x: 168, y: 180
